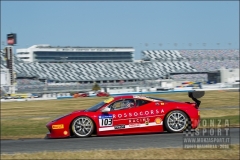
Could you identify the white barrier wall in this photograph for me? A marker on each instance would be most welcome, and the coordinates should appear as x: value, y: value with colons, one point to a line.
x: 51, y: 96
x: 55, y: 95
x: 120, y: 89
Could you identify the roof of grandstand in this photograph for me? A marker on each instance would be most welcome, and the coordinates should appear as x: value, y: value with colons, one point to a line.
x: 49, y: 46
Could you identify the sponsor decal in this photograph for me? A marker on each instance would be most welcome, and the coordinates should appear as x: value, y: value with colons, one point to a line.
x: 121, y: 126
x: 58, y: 126
x: 65, y: 132
x: 134, y: 125
x: 105, y: 120
x: 138, y: 120
x: 105, y: 116
x: 158, y: 120
x: 108, y: 100
x: 147, y: 122
x: 158, y: 104
x: 136, y: 114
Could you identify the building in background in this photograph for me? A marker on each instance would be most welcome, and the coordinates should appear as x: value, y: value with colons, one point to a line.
x: 58, y: 54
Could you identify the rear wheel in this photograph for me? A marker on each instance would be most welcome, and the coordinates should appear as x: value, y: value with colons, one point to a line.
x: 176, y: 121
x: 82, y: 126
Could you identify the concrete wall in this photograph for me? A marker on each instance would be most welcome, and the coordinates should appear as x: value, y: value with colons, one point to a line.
x: 229, y: 75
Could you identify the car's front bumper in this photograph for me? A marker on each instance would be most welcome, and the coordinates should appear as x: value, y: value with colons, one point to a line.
x: 56, y: 132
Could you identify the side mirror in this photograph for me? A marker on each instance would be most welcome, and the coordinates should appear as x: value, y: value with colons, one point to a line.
x: 106, y: 109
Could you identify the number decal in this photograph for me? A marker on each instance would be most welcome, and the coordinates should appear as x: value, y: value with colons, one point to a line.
x: 106, y: 120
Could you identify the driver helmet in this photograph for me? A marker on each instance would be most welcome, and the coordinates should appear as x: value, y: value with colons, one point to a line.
x: 127, y: 104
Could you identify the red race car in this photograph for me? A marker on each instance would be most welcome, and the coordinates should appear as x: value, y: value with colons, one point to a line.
x: 102, y: 94
x: 76, y: 95
x: 128, y: 114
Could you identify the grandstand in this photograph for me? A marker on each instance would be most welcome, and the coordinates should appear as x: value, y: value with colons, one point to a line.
x: 63, y: 54
x: 196, y: 55
x: 81, y: 72
x: 201, y: 60
x: 157, y: 65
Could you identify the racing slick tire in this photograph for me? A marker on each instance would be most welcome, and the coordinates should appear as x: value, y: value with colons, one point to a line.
x: 82, y: 126
x: 176, y: 121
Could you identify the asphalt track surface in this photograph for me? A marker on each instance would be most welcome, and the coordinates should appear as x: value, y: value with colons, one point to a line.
x: 160, y: 140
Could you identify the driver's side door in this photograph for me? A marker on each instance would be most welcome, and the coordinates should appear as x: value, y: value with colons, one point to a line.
x: 115, y: 120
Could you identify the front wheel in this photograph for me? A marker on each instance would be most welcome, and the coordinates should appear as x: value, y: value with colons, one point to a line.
x: 82, y: 126
x: 176, y: 121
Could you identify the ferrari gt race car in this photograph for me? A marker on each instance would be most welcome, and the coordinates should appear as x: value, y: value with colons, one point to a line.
x: 128, y: 114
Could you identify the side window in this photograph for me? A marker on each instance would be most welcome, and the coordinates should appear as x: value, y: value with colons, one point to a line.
x: 117, y: 105
x: 141, y: 102
x: 122, y: 104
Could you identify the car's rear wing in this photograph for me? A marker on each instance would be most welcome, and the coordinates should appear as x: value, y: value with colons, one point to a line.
x: 195, y: 95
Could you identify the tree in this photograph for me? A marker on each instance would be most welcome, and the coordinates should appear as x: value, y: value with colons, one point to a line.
x: 96, y: 87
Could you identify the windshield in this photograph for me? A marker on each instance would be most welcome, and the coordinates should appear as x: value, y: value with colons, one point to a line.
x: 95, y: 108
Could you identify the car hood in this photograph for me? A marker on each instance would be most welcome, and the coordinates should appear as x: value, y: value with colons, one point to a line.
x: 77, y: 111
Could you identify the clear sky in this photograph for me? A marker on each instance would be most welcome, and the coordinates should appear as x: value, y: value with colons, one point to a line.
x: 138, y: 24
